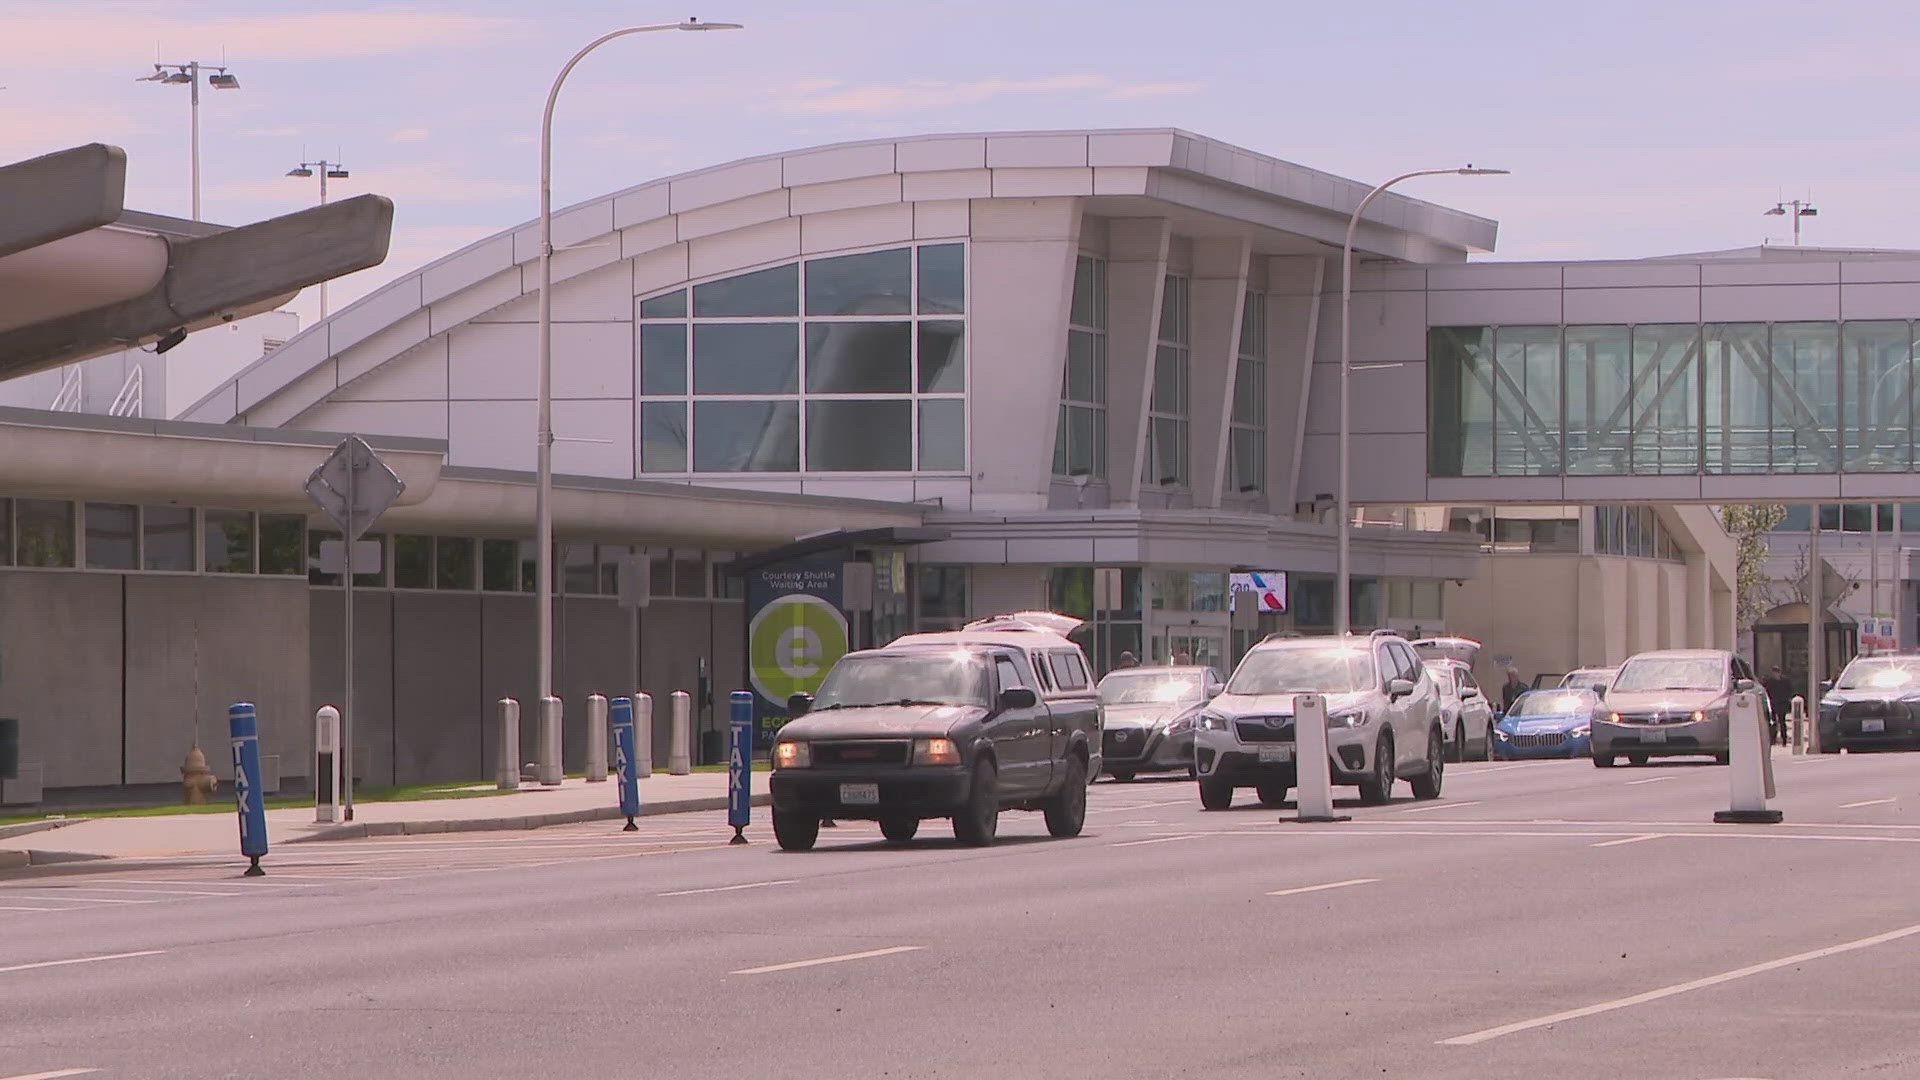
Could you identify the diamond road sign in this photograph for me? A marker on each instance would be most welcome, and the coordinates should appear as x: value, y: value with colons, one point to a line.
x: 354, y: 486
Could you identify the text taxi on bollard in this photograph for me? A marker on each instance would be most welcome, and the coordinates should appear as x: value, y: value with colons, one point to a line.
x: 624, y: 773
x: 243, y: 726
x: 740, y: 767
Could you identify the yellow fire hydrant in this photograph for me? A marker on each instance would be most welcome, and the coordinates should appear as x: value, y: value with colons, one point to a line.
x: 197, y: 782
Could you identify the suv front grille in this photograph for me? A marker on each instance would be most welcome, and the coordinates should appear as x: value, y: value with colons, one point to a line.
x: 1867, y: 710
x: 1264, y: 729
x: 1551, y: 738
x: 863, y: 752
x: 1123, y: 742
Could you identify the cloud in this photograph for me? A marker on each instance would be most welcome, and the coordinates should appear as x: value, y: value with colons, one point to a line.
x: 816, y: 96
x: 407, y: 135
x: 44, y: 35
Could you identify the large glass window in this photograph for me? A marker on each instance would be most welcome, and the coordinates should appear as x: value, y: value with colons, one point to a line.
x: 453, y: 562
x: 1806, y: 397
x: 1737, y: 393
x: 859, y: 358
x: 1599, y: 388
x: 1168, y: 407
x: 943, y: 279
x: 663, y: 436
x: 44, y: 532
x: 746, y: 436
x: 1247, y: 430
x: 1666, y: 404
x: 943, y: 357
x: 1526, y: 400
x: 113, y: 535
x: 663, y: 359
x: 413, y: 562
x: 873, y: 283
x: 1080, y: 443
x: 283, y: 544
x: 860, y: 436
x: 1460, y: 401
x: 1877, y: 386
x: 943, y: 435
x: 166, y: 538
x: 227, y: 536
x: 745, y: 358
x: 771, y: 292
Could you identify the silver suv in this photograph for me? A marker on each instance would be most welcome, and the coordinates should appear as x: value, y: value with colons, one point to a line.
x: 1383, y: 719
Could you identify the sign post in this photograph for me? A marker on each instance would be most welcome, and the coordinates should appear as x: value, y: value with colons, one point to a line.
x: 1750, y: 755
x: 326, y: 765
x: 740, y: 767
x: 623, y: 761
x: 354, y: 487
x: 243, y: 726
x: 1313, y: 797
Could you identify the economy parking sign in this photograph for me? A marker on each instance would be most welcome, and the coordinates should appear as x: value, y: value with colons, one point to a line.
x: 791, y: 644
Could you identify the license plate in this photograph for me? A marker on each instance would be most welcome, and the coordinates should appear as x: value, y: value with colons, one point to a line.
x: 1276, y: 753
x: 1653, y: 736
x: 1869, y: 727
x: 860, y: 794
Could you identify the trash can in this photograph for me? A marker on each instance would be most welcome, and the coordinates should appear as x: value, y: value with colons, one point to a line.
x: 713, y: 747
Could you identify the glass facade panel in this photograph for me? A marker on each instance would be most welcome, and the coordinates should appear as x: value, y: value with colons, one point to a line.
x: 228, y: 539
x: 1737, y: 395
x: 499, y: 567
x: 1806, y: 398
x: 1080, y: 447
x: 1460, y: 401
x: 579, y: 569
x: 859, y: 436
x: 663, y: 359
x: 453, y: 562
x: 1600, y: 391
x: 860, y: 358
x: 943, y: 435
x: 943, y: 357
x: 746, y: 436
x: 1247, y: 425
x: 771, y: 292
x: 1877, y: 386
x: 663, y: 436
x: 1666, y: 400
x: 283, y: 544
x: 873, y: 283
x: 1168, y: 407
x: 112, y: 536
x: 745, y: 358
x: 166, y: 538
x: 671, y: 306
x: 43, y: 532
x: 943, y: 279
x: 1526, y: 399
x: 413, y: 562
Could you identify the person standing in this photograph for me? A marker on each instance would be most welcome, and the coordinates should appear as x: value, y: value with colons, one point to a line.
x: 1513, y: 689
x: 1779, y: 701
x: 1127, y: 660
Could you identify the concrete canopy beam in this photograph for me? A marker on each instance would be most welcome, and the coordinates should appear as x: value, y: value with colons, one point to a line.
x: 212, y: 279
x: 61, y: 194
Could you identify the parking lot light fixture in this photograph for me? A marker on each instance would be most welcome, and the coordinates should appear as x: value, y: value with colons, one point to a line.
x: 1343, y: 587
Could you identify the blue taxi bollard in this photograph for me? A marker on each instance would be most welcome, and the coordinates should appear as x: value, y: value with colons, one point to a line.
x: 629, y: 782
x: 740, y: 766
x: 243, y: 726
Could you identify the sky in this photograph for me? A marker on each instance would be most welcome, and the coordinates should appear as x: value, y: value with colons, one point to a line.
x: 1632, y: 128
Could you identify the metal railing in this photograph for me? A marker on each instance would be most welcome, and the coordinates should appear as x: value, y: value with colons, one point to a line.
x: 72, y: 393
x: 131, y: 399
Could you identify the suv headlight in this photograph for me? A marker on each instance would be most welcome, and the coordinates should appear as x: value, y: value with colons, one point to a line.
x: 1501, y: 735
x: 1351, y: 718
x: 1576, y: 733
x: 1183, y: 724
x: 1213, y: 721
x: 792, y: 755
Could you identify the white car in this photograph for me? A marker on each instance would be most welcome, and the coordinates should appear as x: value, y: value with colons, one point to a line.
x: 1383, y: 719
x: 1465, y: 717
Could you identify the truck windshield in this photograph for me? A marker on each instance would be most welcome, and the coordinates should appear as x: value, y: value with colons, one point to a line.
x: 944, y: 677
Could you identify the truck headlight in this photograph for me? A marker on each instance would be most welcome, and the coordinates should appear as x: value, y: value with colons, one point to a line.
x: 935, y: 752
x: 792, y: 755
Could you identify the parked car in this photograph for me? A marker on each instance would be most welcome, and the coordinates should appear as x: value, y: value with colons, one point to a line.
x: 1149, y: 717
x: 1466, y: 720
x: 1596, y: 679
x: 1547, y: 723
x: 1874, y: 703
x: 999, y: 715
x: 1669, y: 704
x: 1383, y: 719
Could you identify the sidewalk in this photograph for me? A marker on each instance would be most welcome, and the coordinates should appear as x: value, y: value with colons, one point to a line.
x: 529, y: 808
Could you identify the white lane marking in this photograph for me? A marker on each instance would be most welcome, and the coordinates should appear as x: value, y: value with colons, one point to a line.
x: 1159, y: 840
x: 1438, y: 806
x: 1629, y: 840
x: 143, y: 892
x: 1681, y: 988
x: 54, y: 1075
x: 34, y: 909
x: 1652, y: 780
x: 870, y: 953
x: 1322, y: 888
x: 82, y: 899
x: 1140, y: 806
x: 730, y: 888
x: 83, y: 960
x: 1458, y: 771
x: 1869, y: 802
x: 242, y: 886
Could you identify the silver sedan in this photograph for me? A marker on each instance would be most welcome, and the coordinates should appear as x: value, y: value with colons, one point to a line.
x: 1149, y: 717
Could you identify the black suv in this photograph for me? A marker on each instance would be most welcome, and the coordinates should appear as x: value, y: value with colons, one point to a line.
x: 1001, y: 715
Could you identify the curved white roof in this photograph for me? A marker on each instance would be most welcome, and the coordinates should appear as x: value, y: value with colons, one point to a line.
x: 723, y: 218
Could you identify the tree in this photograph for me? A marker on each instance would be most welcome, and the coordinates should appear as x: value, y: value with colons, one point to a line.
x: 1753, y: 590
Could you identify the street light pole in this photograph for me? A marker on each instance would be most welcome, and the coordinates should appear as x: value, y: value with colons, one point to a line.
x: 1343, y: 587
x: 1801, y: 208
x: 327, y: 170
x: 189, y: 73
x: 543, y: 447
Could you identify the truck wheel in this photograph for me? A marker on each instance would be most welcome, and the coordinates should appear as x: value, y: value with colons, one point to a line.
x: 977, y: 822
x: 795, y: 832
x: 1066, y: 813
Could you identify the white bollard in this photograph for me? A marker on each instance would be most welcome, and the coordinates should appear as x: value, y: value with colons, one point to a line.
x: 642, y: 736
x: 506, y: 756
x: 326, y: 765
x: 596, y: 738
x: 1313, y: 777
x: 550, y: 771
x: 680, y: 746
x: 1751, y: 759
x: 1797, y: 720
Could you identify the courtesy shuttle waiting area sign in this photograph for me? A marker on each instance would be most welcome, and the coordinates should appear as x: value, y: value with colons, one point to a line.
x: 795, y: 632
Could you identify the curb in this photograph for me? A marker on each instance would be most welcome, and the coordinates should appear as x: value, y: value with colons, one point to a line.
x: 26, y: 827
x: 15, y: 860
x: 518, y: 823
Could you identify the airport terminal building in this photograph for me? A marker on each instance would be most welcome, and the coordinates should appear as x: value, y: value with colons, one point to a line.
x: 922, y: 380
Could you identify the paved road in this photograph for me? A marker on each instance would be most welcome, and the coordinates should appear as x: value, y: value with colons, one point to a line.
x: 1544, y: 919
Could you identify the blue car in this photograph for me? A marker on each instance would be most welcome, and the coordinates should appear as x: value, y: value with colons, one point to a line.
x: 1547, y: 724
